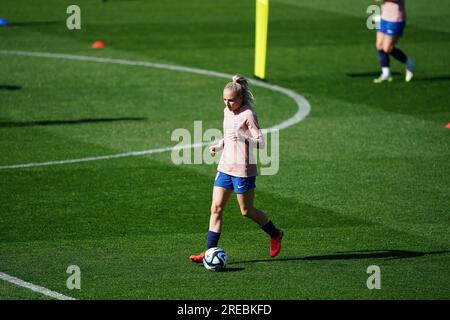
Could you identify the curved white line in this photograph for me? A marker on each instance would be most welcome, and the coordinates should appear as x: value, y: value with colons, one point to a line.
x: 302, y: 104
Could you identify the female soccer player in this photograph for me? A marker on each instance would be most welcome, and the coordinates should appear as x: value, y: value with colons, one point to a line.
x: 392, y: 24
x: 237, y: 166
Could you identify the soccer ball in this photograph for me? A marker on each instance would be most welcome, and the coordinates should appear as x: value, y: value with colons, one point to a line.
x: 215, y: 259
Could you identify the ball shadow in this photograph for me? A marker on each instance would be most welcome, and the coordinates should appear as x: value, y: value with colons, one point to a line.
x: 233, y: 269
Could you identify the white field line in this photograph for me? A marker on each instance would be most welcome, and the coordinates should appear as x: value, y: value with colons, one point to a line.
x: 302, y: 104
x: 34, y: 287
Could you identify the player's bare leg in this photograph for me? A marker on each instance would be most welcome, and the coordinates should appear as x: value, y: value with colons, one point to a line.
x: 389, y: 47
x: 248, y: 210
x: 379, y: 40
x: 389, y: 43
x: 384, y: 59
x: 219, y: 200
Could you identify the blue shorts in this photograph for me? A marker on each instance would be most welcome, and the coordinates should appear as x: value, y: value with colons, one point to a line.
x: 240, y: 185
x: 391, y: 28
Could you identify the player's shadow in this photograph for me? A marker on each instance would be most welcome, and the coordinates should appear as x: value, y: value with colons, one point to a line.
x: 35, y: 23
x: 353, y: 255
x: 434, y: 78
x: 9, y: 87
x: 368, y: 74
x: 416, y: 78
x: 11, y: 124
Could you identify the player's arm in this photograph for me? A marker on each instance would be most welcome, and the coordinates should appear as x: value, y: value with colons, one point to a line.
x: 217, y: 147
x: 255, y: 136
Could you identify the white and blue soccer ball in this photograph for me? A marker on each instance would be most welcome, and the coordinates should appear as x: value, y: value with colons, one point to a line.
x: 215, y: 259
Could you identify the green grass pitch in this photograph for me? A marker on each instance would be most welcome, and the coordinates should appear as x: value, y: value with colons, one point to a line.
x: 363, y: 180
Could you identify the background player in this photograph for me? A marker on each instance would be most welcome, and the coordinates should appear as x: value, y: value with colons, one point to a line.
x: 392, y: 24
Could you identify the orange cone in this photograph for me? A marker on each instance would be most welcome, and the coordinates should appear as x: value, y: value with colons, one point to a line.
x: 98, y: 45
x: 448, y: 125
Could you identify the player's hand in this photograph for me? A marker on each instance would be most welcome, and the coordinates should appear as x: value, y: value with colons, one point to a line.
x: 213, y: 150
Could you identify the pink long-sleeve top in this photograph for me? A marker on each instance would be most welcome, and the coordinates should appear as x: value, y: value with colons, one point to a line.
x: 393, y: 11
x: 237, y: 157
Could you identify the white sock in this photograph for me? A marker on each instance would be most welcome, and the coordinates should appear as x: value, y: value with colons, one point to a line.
x: 385, y: 71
